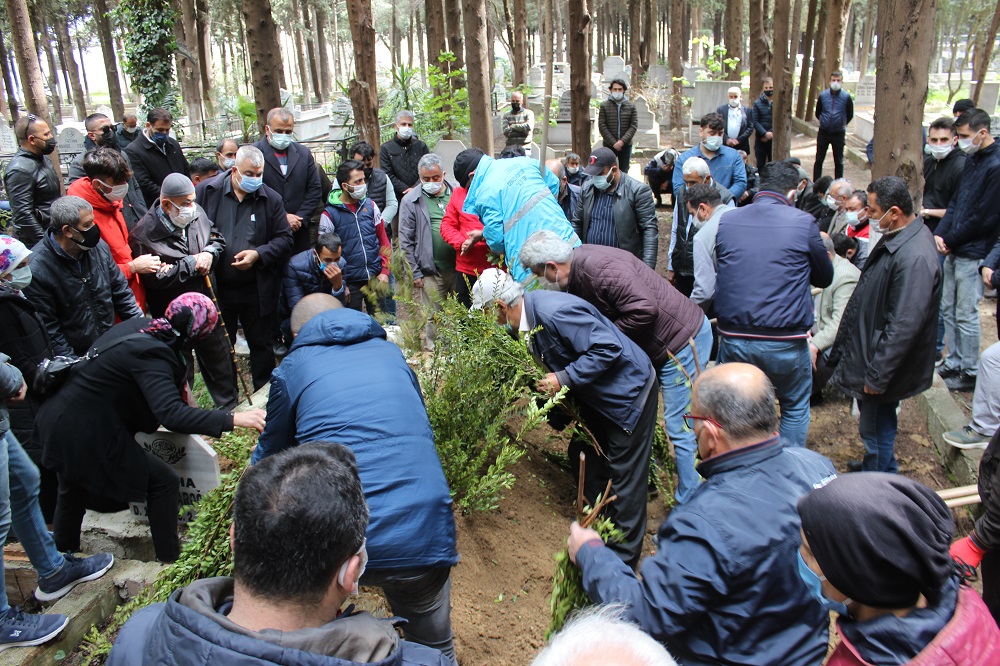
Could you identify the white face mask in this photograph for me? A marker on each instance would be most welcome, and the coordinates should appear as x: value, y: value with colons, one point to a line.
x: 853, y: 218
x: 830, y: 202
x: 572, y: 170
x: 117, y: 192
x: 228, y: 162
x: 617, y: 96
x: 939, y: 152
x: 359, y: 192
x: 19, y: 278
x: 182, y: 216
x: 734, y: 103
x: 404, y: 132
x: 342, y: 574
x: 713, y: 143
x: 836, y: 86
x: 432, y: 188
x: 968, y: 146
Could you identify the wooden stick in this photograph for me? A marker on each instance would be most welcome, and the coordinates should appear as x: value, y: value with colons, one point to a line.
x: 232, y: 349
x: 963, y: 501
x: 961, y: 491
x: 579, y: 486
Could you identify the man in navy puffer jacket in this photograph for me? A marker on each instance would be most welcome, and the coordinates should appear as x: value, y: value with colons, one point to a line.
x: 319, y: 270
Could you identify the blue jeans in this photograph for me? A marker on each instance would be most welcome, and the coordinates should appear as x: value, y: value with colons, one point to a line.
x: 676, y: 391
x: 960, y: 295
x: 940, y: 338
x: 789, y: 367
x: 19, y: 481
x: 877, y: 427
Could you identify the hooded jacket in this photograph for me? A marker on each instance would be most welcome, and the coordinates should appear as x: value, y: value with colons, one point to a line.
x: 134, y: 204
x: 333, y: 386
x: 366, y: 246
x: 455, y: 227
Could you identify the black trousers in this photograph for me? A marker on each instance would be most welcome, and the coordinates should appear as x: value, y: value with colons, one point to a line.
x: 463, y: 288
x: 244, y: 309
x: 657, y: 181
x: 162, y: 497
x: 990, y: 570
x: 833, y: 140
x: 684, y: 283
x: 624, y: 156
x: 358, y: 300
x: 626, y: 464
x: 762, y: 151
x: 215, y: 362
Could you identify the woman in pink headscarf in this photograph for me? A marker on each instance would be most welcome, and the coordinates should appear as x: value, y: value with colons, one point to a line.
x: 134, y: 382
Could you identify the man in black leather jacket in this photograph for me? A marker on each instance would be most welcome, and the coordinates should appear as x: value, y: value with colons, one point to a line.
x: 30, y: 181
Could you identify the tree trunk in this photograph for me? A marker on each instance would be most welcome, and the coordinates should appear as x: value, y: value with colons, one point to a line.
x: 807, y: 49
x: 760, y: 47
x: 64, y: 70
x: 784, y: 69
x: 203, y: 30
x: 436, y: 39
x: 324, y: 50
x: 46, y: 43
x: 456, y: 44
x: 66, y: 48
x: 795, y: 34
x: 580, y: 25
x: 634, y: 38
x: 33, y: 85
x: 410, y: 38
x: 310, y: 40
x: 478, y: 74
x: 733, y: 32
x: 421, y: 49
x: 987, y: 55
x: 10, y: 110
x: 835, y: 34
x: 262, y: 40
x: 363, y: 89
x: 867, y: 32
x: 676, y: 51
x: 520, y: 42
x: 600, y: 14
x: 83, y: 69
x: 188, y: 72
x: 816, y: 81
x: 300, y: 53
x: 337, y: 70
x: 491, y: 40
x: 906, y: 41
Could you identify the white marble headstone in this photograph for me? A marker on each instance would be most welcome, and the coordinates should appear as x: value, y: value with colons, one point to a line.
x: 8, y: 142
x: 865, y: 92
x: 196, y: 463
x: 614, y: 68
x: 659, y: 75
x: 70, y: 141
x: 106, y: 110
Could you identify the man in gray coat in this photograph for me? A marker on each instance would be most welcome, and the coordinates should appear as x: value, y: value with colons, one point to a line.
x: 617, y: 210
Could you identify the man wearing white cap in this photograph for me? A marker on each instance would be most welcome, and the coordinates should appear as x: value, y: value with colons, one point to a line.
x: 738, y: 124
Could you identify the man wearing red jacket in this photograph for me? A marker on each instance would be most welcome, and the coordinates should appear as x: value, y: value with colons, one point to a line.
x: 458, y: 230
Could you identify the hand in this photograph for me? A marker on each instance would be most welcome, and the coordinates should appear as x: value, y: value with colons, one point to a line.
x: 466, y: 246
x: 294, y: 221
x: 619, y: 144
x: 246, y: 259
x: 577, y: 537
x: 967, y: 552
x: 203, y: 262
x: 474, y: 236
x: 383, y: 278
x: 334, y: 275
x: 732, y: 142
x: 407, y: 191
x: 667, y: 167
x: 418, y: 283
x: 870, y: 391
x: 549, y: 384
x: 813, y: 354
x: 988, y: 277
x: 768, y: 136
x: 19, y: 396
x: 147, y: 263
x: 347, y: 294
x: 670, y: 277
x: 164, y: 269
x: 255, y: 418
x: 941, y: 247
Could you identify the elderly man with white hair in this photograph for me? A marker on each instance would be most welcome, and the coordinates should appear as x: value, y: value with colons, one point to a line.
x: 609, y: 376
x: 598, y: 636
x: 680, y: 255
x: 251, y: 218
x: 739, y: 125
x: 836, y: 200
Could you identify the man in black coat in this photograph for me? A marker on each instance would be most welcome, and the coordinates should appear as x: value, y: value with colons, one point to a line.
x: 252, y: 220
x: 399, y: 156
x: 30, y: 180
x: 943, y: 165
x: 154, y: 154
x: 884, y: 351
x: 739, y: 127
x: 290, y: 170
x: 76, y: 286
x: 762, y: 117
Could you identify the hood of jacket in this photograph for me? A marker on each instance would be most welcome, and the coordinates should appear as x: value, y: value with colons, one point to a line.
x: 342, y: 326
x: 84, y: 188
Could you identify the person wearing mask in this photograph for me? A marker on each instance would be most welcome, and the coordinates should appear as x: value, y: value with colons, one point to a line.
x: 290, y: 170
x: 725, y: 163
x: 569, y: 195
x: 519, y: 123
x: 813, y: 201
x: 319, y: 270
x: 616, y: 209
x: 574, y: 172
x: 399, y: 155
x: 858, y: 226
x: 104, y: 186
x: 251, y: 219
x: 834, y: 110
x: 128, y: 130
x: 965, y: 236
x: 225, y: 154
x: 618, y: 122
x: 659, y: 174
x: 76, y: 287
x: 836, y: 201
x: 380, y: 190
x: 203, y: 168
x: 762, y: 117
x: 943, y: 166
x: 829, y: 312
x: 155, y: 154
x: 30, y: 181
x: 100, y: 134
x: 189, y: 246
x: 88, y: 435
x: 356, y: 219
x: 705, y: 209
x: 875, y: 551
x: 738, y: 126
x: 458, y: 229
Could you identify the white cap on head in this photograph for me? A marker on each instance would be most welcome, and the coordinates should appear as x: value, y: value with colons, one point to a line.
x: 495, y: 285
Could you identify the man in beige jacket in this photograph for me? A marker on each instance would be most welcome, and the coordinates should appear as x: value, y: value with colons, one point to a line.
x: 830, y: 307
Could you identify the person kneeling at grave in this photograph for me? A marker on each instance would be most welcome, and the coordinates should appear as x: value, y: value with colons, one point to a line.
x: 323, y: 391
x: 298, y: 540
x: 134, y: 382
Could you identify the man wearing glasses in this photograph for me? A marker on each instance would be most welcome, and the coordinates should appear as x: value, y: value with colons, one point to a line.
x: 723, y: 585
x: 30, y: 181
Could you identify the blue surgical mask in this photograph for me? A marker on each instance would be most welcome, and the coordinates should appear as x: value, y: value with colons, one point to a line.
x: 713, y: 143
x: 814, y: 583
x: 159, y: 138
x: 228, y: 162
x: 19, y: 278
x: 280, y: 141
x: 602, y: 181
x: 250, y: 183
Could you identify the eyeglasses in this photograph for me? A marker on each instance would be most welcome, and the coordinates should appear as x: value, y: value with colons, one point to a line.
x: 689, y: 420
x: 27, y: 126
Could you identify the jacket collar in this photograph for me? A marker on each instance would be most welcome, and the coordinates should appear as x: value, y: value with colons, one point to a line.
x: 24, y: 152
x: 293, y: 152
x: 746, y: 456
x: 895, y: 242
x: 771, y: 198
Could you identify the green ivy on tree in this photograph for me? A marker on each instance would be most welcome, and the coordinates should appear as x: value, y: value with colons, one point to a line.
x: 148, y: 35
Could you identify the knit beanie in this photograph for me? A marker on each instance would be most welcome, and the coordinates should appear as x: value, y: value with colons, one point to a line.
x: 176, y: 185
x: 881, y: 539
x: 465, y: 163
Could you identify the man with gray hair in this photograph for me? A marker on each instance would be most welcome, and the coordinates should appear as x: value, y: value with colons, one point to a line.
x: 836, y: 200
x: 431, y: 258
x: 608, y: 375
x: 569, y: 194
x: 399, y: 156
x: 724, y: 585
x: 76, y: 286
x: 598, y: 636
x: 251, y: 218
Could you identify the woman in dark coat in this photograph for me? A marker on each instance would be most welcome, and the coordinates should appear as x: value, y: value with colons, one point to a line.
x: 87, y: 429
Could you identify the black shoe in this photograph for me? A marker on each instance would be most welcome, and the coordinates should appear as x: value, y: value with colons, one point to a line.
x: 961, y: 382
x: 853, y: 465
x: 944, y: 372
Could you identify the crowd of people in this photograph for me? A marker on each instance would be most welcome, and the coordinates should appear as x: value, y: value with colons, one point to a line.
x: 789, y: 283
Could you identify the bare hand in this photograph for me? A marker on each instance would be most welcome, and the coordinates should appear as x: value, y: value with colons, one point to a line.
x: 670, y: 277
x: 164, y: 269
x: 732, y: 142
x: 988, y: 277
x: 870, y: 391
x: 147, y: 263
x: 813, y: 354
x: 619, y: 144
x: 941, y: 247
x: 418, y: 283
x: 768, y: 136
x: 203, y: 262
x: 255, y: 418
x: 549, y: 384
x: 466, y: 246
x: 334, y: 275
x: 577, y: 537
x: 246, y: 259
x: 294, y: 221
x: 383, y: 278
x: 19, y: 396
x: 347, y: 294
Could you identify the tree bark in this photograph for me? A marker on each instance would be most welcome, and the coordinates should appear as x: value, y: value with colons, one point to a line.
x: 987, y: 54
x: 300, y: 53
x: 188, y: 72
x: 436, y: 38
x: 760, y: 47
x: 324, y: 50
x: 203, y: 29
x: 310, y: 40
x: 363, y: 88
x: 411, y: 37
x: 867, y: 32
x: 906, y: 41
x: 634, y: 39
x: 784, y: 68
x: 83, y: 69
x: 733, y: 33
x: 547, y: 48
x: 580, y: 24
x: 10, y: 106
x: 456, y: 44
x: 478, y: 73
x: 46, y: 42
x: 265, y: 53
x: 337, y: 70
x: 816, y: 81
x: 836, y: 32
x: 520, y: 42
x: 807, y: 49
x: 795, y: 33
x: 676, y: 51
x: 66, y: 51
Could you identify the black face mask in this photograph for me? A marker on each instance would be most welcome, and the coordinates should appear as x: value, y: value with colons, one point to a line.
x: 515, y: 107
x: 91, y: 237
x: 107, y: 138
x: 768, y: 92
x: 368, y: 174
x: 50, y: 145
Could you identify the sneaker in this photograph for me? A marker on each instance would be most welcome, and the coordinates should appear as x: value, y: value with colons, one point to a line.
x: 75, y: 571
x: 20, y: 629
x: 944, y: 372
x: 961, y: 382
x: 966, y: 438
x: 938, y: 363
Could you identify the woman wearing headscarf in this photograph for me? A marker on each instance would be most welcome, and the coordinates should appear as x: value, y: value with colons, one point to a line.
x: 875, y: 550
x: 87, y: 429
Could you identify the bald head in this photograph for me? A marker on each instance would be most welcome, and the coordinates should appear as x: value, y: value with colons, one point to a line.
x: 740, y: 398
x: 309, y: 307
x: 556, y: 167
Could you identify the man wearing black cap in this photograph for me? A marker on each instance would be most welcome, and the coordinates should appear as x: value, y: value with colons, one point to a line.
x: 875, y: 550
x: 616, y: 210
x: 618, y: 122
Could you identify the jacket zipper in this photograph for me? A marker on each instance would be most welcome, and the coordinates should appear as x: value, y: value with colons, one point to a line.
x: 357, y: 223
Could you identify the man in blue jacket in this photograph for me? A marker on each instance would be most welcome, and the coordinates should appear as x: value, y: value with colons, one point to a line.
x: 723, y: 586
x: 319, y: 270
x: 725, y: 163
x: 333, y: 386
x: 299, y: 551
x: 609, y: 376
x: 767, y: 254
x: 834, y: 110
x: 762, y: 117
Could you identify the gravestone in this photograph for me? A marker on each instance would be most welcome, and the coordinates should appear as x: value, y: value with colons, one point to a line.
x: 995, y: 126
x: 448, y: 150
x: 106, y: 110
x: 194, y: 461
x: 500, y: 93
x: 536, y: 151
x: 614, y: 68
x: 648, y: 134
x: 989, y: 96
x: 8, y: 142
x: 70, y: 141
x: 565, y: 107
x: 536, y: 77
x: 865, y: 93
x: 659, y: 75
